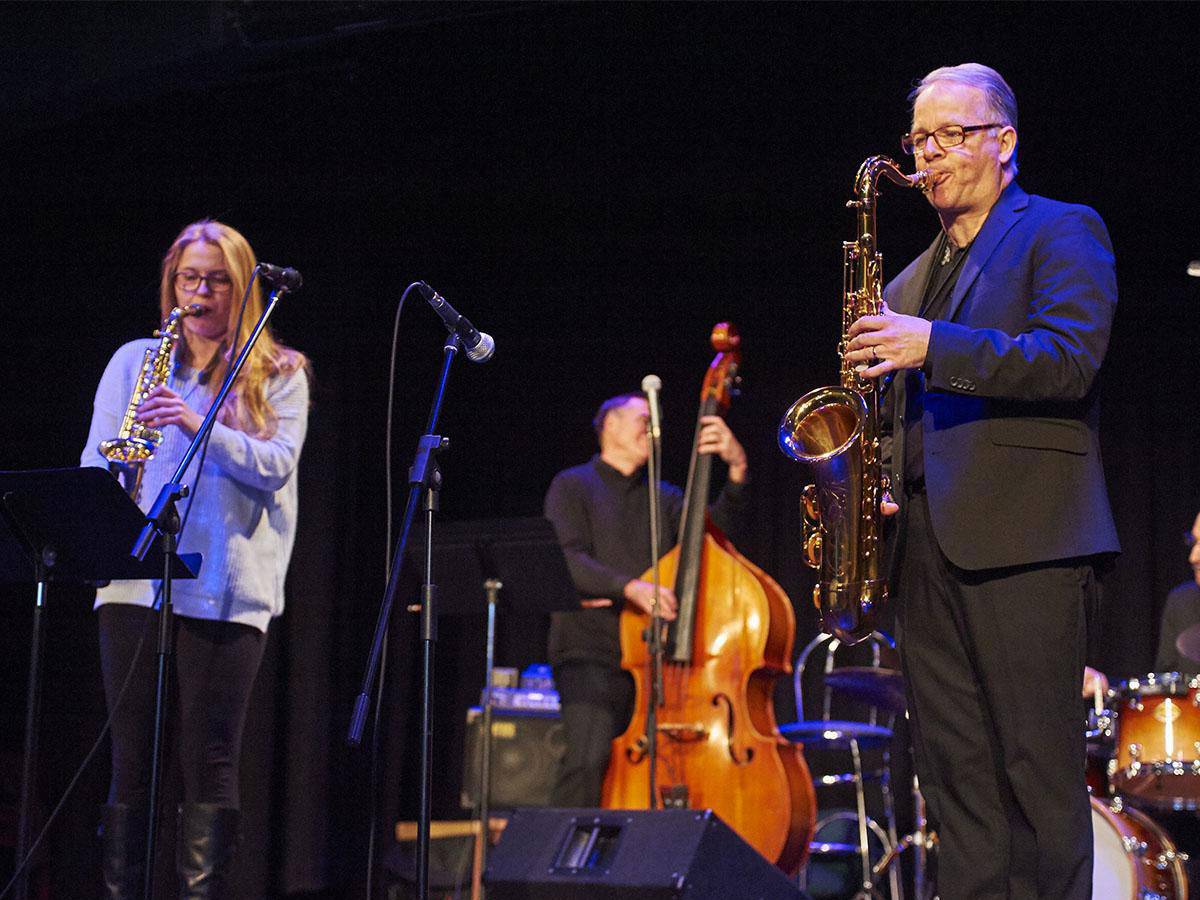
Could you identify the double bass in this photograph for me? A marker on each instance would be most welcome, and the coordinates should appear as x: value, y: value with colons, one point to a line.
x: 718, y: 744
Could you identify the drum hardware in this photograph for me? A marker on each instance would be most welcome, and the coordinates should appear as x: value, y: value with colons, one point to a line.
x: 1134, y: 857
x: 1167, y: 858
x: 921, y: 839
x: 1134, y: 846
x: 1157, y: 726
x: 874, y: 685
x: 1162, y: 861
x: 883, y: 688
x: 1101, y: 726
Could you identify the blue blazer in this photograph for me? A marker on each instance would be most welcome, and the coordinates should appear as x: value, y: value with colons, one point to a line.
x: 1011, y: 451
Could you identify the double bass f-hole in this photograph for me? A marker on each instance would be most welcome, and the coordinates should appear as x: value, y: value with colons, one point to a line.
x: 717, y: 700
x: 636, y: 752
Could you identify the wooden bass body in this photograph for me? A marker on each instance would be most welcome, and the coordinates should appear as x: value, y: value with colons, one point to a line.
x: 719, y: 746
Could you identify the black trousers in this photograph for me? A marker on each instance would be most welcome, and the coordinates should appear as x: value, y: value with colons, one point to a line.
x: 215, y: 667
x: 994, y: 665
x: 597, y: 701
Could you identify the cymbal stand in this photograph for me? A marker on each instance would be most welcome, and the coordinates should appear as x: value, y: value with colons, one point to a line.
x: 922, y: 840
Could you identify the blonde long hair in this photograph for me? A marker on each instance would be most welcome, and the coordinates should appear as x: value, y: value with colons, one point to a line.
x: 246, y: 408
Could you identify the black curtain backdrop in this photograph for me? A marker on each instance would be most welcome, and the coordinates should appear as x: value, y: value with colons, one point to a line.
x: 596, y: 186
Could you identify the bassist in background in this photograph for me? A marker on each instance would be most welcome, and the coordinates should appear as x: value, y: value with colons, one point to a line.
x: 600, y: 512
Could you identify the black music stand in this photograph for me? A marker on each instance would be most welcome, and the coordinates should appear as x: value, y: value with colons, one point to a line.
x: 475, y: 561
x: 522, y: 552
x: 66, y: 525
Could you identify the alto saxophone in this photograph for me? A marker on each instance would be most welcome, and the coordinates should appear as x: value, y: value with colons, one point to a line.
x: 835, y: 430
x: 136, y: 443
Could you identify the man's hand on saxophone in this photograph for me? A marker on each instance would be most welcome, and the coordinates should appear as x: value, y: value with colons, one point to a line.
x: 887, y: 342
x: 163, y: 406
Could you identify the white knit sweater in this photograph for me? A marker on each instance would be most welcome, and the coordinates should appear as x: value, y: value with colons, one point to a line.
x: 243, y: 502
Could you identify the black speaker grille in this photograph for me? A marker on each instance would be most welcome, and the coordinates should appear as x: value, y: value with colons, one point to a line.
x: 526, y: 751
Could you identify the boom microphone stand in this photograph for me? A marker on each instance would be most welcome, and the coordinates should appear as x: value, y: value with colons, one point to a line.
x: 162, y: 522
x: 424, y: 481
x: 423, y: 478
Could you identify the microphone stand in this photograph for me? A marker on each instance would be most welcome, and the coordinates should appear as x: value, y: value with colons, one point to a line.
x: 425, y: 482
x: 163, y: 522
x: 492, y: 586
x: 654, y: 641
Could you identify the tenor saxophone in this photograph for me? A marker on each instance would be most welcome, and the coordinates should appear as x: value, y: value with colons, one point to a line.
x: 136, y: 443
x: 835, y: 430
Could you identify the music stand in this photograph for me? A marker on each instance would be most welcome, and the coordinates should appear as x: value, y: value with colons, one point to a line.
x: 523, y: 558
x: 66, y: 525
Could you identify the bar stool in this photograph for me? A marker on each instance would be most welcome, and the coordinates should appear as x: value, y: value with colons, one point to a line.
x: 877, y: 687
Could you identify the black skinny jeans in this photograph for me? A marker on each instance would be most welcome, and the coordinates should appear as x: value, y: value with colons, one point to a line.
x: 215, y: 667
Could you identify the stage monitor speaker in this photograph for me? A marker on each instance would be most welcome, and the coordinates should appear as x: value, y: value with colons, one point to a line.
x: 526, y: 751
x: 605, y: 854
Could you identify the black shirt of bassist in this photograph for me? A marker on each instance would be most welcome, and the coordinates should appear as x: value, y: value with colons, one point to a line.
x: 600, y: 512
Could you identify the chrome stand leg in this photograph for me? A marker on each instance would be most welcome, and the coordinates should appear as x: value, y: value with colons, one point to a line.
x: 923, y: 842
x: 864, y: 849
x: 889, y: 814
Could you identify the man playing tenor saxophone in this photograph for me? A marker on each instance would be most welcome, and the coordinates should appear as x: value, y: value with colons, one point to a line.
x: 993, y: 339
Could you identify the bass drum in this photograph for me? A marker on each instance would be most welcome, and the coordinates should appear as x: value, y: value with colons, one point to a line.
x: 1134, y: 858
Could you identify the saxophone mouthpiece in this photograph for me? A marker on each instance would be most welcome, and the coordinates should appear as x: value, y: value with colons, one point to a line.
x: 922, y: 180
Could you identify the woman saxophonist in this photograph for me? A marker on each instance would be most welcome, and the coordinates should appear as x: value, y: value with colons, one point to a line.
x: 241, y: 515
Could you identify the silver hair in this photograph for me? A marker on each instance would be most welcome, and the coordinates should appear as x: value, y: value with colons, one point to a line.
x: 999, y: 98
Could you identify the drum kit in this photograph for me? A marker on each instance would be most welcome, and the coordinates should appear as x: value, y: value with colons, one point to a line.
x: 1144, y: 764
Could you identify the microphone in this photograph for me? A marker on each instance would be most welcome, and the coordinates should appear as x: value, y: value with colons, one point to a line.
x: 478, y: 344
x: 280, y: 278
x: 651, y: 385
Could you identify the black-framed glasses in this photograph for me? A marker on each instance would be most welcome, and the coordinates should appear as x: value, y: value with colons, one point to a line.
x: 191, y: 281
x: 945, y: 137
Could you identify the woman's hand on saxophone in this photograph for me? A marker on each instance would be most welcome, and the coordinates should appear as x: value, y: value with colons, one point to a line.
x: 887, y: 342
x: 163, y: 406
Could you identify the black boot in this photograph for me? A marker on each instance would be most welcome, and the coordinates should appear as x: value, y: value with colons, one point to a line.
x: 208, y: 840
x: 123, y: 843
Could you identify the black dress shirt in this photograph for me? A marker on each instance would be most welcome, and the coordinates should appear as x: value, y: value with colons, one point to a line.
x: 943, y: 276
x: 602, y: 519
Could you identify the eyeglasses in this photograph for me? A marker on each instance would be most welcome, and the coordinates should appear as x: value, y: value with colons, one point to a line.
x: 218, y: 282
x: 945, y: 137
